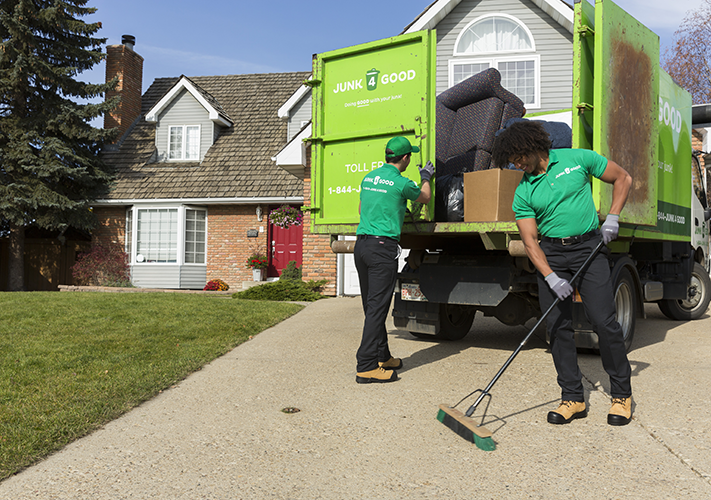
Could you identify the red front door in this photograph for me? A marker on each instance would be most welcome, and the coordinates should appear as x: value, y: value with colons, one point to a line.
x: 286, y: 245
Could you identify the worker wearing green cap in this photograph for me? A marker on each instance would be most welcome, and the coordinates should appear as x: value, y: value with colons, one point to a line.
x: 383, y: 199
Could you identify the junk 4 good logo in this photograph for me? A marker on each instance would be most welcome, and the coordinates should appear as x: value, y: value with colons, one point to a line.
x: 371, y: 80
x: 371, y: 77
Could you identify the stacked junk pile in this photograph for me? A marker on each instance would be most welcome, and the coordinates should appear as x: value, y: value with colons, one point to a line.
x: 469, y: 115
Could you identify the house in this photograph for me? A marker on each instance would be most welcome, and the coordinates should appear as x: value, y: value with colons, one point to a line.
x: 202, y: 160
x: 195, y: 176
x: 530, y: 42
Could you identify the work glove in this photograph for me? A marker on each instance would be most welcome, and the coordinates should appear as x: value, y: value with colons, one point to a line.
x: 427, y: 172
x: 610, y: 228
x: 560, y: 287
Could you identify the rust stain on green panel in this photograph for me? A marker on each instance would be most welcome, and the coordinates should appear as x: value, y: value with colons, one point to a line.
x: 626, y: 107
x: 630, y: 125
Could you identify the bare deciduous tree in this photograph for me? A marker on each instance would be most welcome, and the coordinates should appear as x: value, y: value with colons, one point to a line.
x: 688, y: 61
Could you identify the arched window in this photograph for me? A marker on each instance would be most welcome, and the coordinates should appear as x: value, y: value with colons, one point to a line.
x: 494, y: 33
x: 503, y: 42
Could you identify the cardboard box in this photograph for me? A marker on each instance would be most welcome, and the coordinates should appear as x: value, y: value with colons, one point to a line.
x: 488, y: 195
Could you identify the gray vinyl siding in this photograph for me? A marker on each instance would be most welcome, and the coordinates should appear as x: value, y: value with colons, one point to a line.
x: 301, y: 112
x: 553, y: 43
x: 193, y: 277
x: 169, y: 276
x: 184, y: 110
x: 156, y: 276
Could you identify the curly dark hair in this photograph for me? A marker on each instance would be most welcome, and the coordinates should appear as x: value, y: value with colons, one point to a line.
x: 520, y: 138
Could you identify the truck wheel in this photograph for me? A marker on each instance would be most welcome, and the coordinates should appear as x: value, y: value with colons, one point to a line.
x: 625, y: 304
x: 699, y: 297
x: 455, y: 321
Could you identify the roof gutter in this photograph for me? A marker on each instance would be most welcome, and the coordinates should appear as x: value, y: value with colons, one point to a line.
x: 201, y: 201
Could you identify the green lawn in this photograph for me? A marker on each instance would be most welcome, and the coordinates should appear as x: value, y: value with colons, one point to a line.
x: 70, y: 362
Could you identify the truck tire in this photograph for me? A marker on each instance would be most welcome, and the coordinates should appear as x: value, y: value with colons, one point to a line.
x: 455, y: 321
x: 699, y: 297
x: 625, y: 303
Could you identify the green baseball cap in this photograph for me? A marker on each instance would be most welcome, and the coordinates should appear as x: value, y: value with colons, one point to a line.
x: 399, y: 146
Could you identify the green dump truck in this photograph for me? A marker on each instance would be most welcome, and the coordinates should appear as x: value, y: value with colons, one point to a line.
x: 624, y: 106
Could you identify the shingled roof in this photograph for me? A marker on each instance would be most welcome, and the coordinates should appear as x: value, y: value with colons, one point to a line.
x: 238, y: 165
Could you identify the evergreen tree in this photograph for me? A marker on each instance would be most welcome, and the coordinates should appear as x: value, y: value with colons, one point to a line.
x: 50, y: 168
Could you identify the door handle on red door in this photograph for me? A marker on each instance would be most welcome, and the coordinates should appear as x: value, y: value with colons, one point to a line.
x: 273, y: 248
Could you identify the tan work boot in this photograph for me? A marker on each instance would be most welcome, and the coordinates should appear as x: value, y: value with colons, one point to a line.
x: 621, y: 411
x: 391, y: 364
x: 377, y: 375
x: 567, y: 411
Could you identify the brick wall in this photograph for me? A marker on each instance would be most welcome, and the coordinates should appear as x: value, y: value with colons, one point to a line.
x: 228, y: 246
x: 127, y: 65
x: 319, y: 261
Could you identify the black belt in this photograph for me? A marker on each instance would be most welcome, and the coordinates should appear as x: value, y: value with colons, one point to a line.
x: 370, y: 236
x: 571, y: 240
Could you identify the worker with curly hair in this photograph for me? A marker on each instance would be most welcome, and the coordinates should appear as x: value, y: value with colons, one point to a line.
x: 554, y: 199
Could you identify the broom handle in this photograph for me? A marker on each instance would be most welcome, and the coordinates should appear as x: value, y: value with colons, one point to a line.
x: 485, y: 392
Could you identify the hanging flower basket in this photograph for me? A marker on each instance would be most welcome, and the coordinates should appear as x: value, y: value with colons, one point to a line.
x: 286, y: 216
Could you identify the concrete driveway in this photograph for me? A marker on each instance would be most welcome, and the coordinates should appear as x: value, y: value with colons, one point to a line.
x: 221, y: 434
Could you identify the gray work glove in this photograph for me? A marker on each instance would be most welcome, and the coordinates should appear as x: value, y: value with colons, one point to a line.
x: 610, y: 228
x: 427, y: 172
x: 561, y: 288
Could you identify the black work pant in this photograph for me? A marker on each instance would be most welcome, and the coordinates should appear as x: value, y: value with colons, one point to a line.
x: 375, y: 260
x: 599, y: 303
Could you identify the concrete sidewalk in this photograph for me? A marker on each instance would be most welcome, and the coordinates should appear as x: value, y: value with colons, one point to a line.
x: 221, y: 434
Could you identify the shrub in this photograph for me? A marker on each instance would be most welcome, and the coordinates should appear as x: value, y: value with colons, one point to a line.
x: 291, y: 272
x: 314, y: 286
x: 216, y: 285
x: 102, y: 266
x: 284, y: 290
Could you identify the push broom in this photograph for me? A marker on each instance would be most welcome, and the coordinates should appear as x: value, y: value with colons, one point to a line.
x: 463, y: 423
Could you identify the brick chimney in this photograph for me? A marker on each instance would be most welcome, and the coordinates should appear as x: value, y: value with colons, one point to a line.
x: 123, y: 62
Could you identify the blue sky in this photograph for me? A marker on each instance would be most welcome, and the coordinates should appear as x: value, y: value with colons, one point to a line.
x: 221, y: 37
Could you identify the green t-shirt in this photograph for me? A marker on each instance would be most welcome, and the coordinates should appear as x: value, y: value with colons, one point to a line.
x: 383, y: 199
x: 560, y: 199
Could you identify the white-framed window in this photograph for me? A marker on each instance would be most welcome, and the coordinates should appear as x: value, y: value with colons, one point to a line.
x: 195, y: 236
x: 166, y: 235
x: 157, y: 235
x: 503, y: 42
x: 184, y: 142
x: 129, y: 231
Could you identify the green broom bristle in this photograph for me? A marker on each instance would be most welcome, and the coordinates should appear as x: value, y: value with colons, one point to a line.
x: 484, y: 443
